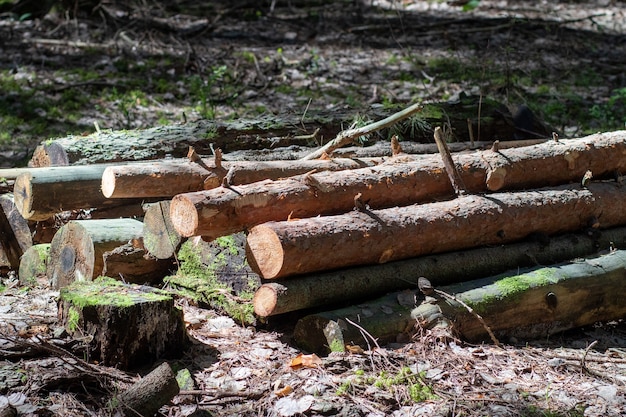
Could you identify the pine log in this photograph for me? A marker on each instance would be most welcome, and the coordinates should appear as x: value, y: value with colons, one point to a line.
x: 131, y: 325
x: 33, y: 264
x: 15, y: 236
x: 134, y: 265
x: 41, y: 193
x: 77, y: 249
x: 224, y: 210
x: 150, y: 393
x: 165, y: 178
x: 160, y: 238
x: 534, y: 304
x: 334, y: 288
x: 280, y: 249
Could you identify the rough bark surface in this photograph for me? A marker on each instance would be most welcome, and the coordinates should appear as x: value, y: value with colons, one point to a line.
x: 224, y: 210
x: 131, y: 325
x: 134, y: 265
x: 14, y: 231
x: 77, y: 249
x: 332, y: 288
x: 535, y: 304
x: 280, y: 249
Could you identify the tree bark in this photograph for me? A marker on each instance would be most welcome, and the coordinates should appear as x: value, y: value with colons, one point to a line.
x: 280, y: 249
x: 131, y: 325
x: 77, y: 249
x: 160, y: 238
x: 33, y: 264
x: 41, y: 193
x: 150, y: 393
x: 534, y: 304
x: 14, y: 231
x: 134, y: 265
x: 165, y: 178
x: 334, y: 288
x: 220, y: 211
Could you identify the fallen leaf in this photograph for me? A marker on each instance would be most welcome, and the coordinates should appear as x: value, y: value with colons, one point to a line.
x: 283, y: 392
x: 287, y: 406
x: 306, y: 361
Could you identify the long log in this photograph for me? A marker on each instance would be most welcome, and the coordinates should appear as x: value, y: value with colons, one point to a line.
x: 43, y: 192
x: 77, y: 249
x: 165, y: 178
x: 534, y: 304
x: 221, y: 211
x: 359, y: 283
x: 280, y: 249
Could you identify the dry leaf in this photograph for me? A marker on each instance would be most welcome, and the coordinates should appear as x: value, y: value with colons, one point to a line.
x: 305, y: 361
x: 283, y: 392
x: 355, y: 349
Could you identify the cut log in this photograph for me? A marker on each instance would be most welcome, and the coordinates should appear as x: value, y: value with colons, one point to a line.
x: 160, y: 238
x: 220, y: 211
x: 14, y: 231
x: 33, y: 264
x: 338, y: 287
x: 531, y: 305
x: 150, y: 393
x: 280, y: 249
x: 534, y: 304
x: 165, y: 178
x: 131, y: 325
x: 77, y: 249
x: 41, y: 193
x: 134, y: 265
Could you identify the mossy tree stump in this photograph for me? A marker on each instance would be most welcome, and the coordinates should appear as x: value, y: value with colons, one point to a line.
x: 130, y: 325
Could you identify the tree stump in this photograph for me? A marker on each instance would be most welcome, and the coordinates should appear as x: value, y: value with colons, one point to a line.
x: 131, y: 325
x: 77, y: 249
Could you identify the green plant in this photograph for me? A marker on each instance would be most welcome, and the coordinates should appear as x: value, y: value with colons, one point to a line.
x: 612, y: 114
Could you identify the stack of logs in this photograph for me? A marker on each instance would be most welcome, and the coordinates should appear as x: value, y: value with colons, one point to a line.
x: 320, y: 232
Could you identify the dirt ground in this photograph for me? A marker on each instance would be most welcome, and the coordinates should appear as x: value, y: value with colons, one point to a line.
x: 131, y: 67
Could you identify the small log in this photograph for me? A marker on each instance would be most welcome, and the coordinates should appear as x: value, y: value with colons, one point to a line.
x: 534, y: 304
x: 33, y: 264
x: 77, y: 249
x: 384, y: 319
x: 276, y: 249
x: 220, y: 211
x: 331, y: 288
x: 160, y: 238
x: 41, y: 193
x: 14, y: 231
x: 131, y: 325
x: 134, y: 265
x: 146, y: 396
x: 165, y: 178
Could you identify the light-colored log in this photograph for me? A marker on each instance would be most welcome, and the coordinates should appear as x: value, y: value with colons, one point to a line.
x: 281, y: 249
x: 33, y: 264
x: 160, y: 238
x: 15, y: 233
x: 77, y: 249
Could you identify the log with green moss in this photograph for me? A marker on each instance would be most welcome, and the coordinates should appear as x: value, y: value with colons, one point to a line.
x: 131, y: 326
x: 33, y: 264
x: 337, y: 287
x: 533, y: 304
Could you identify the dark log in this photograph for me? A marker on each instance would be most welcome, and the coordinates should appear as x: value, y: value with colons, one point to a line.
x: 134, y: 265
x: 533, y: 304
x: 33, y: 264
x: 160, y: 238
x: 281, y: 249
x: 131, y: 325
x: 352, y: 284
x: 14, y: 231
x: 224, y: 210
x: 41, y: 193
x: 77, y: 249
x: 150, y: 393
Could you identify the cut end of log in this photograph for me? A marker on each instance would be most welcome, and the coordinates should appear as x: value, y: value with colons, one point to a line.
x: 22, y: 194
x: 496, y: 178
x: 184, y: 216
x: 108, y: 182
x: 264, y: 252
x: 265, y: 300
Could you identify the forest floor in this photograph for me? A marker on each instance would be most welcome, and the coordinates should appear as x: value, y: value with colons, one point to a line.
x: 128, y: 67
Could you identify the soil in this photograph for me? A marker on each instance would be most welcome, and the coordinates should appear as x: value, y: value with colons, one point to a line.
x: 131, y: 67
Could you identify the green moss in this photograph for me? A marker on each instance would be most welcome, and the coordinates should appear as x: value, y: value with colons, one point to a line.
x: 337, y: 346
x: 73, y: 319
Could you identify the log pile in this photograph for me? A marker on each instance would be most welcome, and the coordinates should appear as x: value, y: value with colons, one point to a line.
x: 326, y: 232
